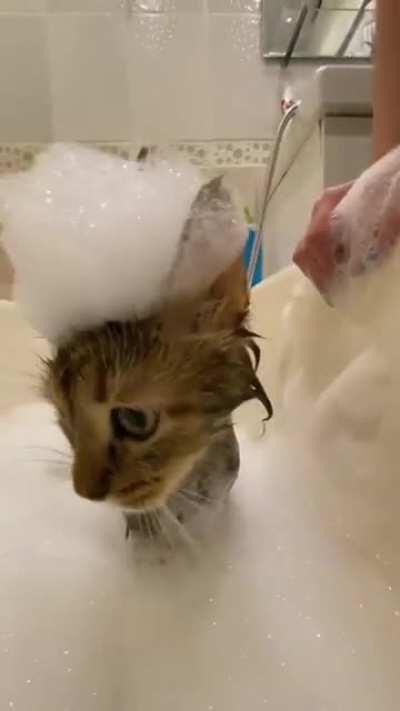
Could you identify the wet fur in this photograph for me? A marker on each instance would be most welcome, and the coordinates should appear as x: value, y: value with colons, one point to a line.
x: 195, y: 378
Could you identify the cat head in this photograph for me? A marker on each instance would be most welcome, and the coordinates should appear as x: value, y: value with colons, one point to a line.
x: 141, y: 400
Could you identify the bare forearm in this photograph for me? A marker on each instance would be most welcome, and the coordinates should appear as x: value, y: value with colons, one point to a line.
x: 386, y: 124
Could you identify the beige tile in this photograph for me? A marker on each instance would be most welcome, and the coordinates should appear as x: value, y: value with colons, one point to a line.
x: 22, y: 5
x: 167, y: 5
x: 244, y: 89
x: 25, y: 101
x: 120, y: 5
x: 82, y: 6
x: 234, y: 5
x: 88, y: 77
x: 168, y: 73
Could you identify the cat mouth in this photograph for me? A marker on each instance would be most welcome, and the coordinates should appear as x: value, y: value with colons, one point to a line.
x: 139, y: 494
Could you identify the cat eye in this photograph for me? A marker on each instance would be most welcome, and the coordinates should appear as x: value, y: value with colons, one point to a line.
x: 131, y: 423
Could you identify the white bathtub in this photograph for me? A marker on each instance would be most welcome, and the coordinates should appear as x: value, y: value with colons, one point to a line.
x: 290, y: 607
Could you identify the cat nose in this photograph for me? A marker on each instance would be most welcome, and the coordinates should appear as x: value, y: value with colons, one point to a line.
x: 95, y: 489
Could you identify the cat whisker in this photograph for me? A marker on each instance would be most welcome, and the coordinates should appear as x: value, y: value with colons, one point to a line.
x: 163, y: 530
x: 202, y: 498
x: 179, y: 528
x: 66, y: 455
x: 147, y: 526
x: 196, y: 504
x: 42, y: 460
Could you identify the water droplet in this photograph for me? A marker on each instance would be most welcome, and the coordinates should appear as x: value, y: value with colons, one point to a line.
x: 211, y: 600
x: 283, y: 664
x: 5, y: 650
x: 66, y: 652
x: 397, y: 613
x: 29, y: 681
x: 214, y: 624
x: 318, y: 635
x: 11, y: 704
x: 69, y: 670
x: 361, y: 606
x: 94, y: 693
x: 390, y: 588
x: 269, y: 636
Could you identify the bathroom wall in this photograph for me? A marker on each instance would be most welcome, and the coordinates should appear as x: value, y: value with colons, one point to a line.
x: 145, y: 70
x: 121, y: 73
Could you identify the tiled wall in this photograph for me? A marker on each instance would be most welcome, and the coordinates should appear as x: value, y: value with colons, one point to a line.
x: 134, y: 70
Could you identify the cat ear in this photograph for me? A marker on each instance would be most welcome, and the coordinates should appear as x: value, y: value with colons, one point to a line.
x: 230, y: 296
x: 209, y: 261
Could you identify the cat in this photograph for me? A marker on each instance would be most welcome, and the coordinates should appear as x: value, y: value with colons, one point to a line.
x: 146, y: 405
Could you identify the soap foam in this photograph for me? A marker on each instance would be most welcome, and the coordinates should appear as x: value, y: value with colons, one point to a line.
x: 94, y: 238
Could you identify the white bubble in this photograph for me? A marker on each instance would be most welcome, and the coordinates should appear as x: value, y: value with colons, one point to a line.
x: 66, y: 652
x: 29, y: 681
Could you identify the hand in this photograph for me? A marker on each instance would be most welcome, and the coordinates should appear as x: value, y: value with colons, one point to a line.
x: 316, y: 254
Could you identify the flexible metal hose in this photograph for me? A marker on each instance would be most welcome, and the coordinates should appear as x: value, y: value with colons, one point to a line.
x: 285, y: 121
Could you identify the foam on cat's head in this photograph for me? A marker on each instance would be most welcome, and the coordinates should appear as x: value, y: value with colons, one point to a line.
x: 94, y: 238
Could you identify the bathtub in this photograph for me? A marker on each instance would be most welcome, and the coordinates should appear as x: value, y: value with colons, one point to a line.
x: 290, y: 604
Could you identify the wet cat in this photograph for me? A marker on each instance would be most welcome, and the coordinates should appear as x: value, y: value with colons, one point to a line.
x: 146, y: 404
